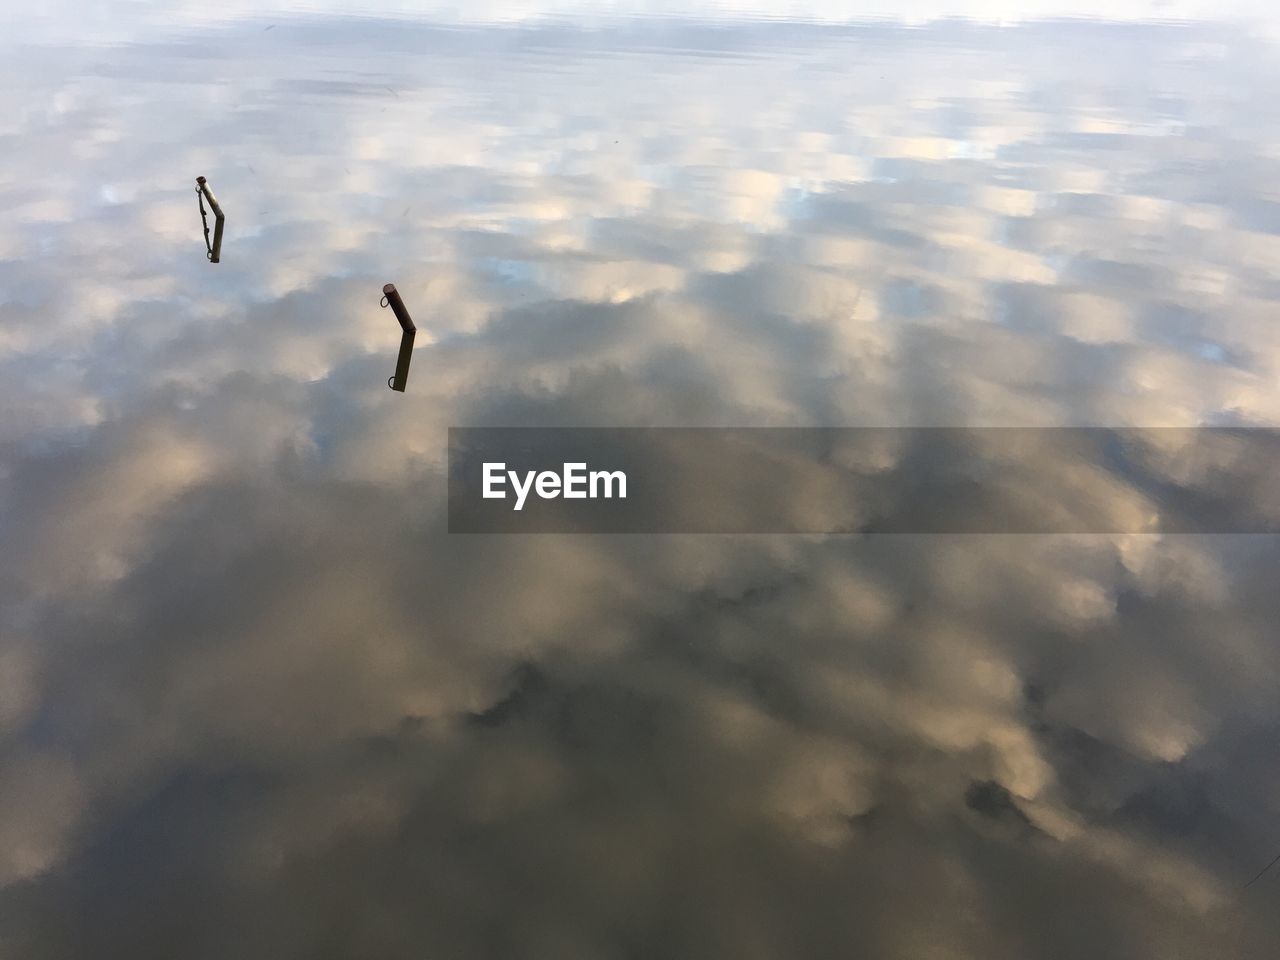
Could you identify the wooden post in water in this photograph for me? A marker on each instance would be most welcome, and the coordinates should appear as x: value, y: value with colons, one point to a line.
x: 392, y: 298
x: 214, y: 250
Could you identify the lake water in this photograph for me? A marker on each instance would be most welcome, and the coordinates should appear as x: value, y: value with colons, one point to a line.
x: 256, y: 700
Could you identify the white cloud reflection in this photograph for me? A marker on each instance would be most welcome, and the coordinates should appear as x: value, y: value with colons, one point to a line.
x: 249, y: 685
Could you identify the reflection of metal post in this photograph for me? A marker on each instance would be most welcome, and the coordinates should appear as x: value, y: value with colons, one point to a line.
x: 392, y: 298
x: 214, y: 251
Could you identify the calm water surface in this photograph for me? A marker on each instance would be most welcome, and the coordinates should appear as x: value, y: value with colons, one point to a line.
x: 256, y: 702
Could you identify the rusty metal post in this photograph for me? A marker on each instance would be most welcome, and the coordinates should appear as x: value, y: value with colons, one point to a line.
x: 392, y: 298
x: 214, y: 251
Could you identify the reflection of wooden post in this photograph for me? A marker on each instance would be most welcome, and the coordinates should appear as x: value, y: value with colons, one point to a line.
x: 392, y: 296
x: 216, y: 250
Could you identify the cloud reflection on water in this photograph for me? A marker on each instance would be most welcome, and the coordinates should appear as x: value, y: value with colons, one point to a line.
x: 255, y: 700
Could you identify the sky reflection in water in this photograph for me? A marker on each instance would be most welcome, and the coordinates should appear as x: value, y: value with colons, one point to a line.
x: 254, y: 701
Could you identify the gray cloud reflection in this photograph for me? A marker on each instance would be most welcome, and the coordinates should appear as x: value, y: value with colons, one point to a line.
x: 255, y: 701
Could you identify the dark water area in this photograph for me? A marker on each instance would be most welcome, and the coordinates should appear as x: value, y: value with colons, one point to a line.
x: 257, y: 700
